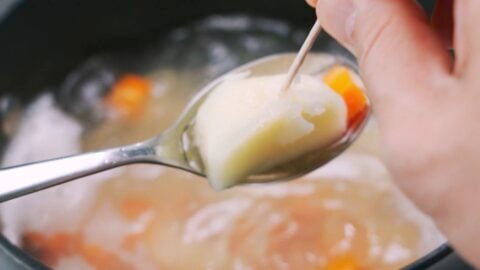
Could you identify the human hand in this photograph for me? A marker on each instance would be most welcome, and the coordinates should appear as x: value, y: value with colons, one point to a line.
x: 427, y: 102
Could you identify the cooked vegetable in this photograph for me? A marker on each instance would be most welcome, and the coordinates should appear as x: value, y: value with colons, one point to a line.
x: 129, y: 94
x: 250, y: 125
x: 51, y: 248
x: 341, y: 81
x: 345, y: 262
x: 133, y: 207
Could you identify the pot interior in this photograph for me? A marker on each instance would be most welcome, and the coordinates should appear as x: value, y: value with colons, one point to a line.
x: 44, y: 43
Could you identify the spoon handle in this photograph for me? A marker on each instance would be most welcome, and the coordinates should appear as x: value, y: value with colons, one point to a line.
x: 302, y: 53
x: 24, y: 179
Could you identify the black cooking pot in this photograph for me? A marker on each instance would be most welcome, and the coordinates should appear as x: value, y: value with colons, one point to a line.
x: 42, y: 40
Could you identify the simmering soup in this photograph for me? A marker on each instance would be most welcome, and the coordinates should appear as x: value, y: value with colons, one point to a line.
x: 345, y: 215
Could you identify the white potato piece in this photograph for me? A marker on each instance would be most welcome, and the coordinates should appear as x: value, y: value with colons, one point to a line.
x: 249, y: 125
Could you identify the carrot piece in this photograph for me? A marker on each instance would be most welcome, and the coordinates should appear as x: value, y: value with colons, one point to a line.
x: 33, y: 238
x: 49, y: 249
x: 133, y: 207
x: 338, y: 78
x: 35, y: 244
x: 129, y: 94
x: 101, y: 258
x: 130, y: 242
x: 345, y: 262
x: 341, y: 81
x: 62, y: 243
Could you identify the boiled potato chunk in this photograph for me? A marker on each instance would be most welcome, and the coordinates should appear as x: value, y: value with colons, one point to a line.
x: 248, y: 125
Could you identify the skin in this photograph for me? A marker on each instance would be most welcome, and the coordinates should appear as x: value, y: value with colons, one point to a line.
x: 427, y: 102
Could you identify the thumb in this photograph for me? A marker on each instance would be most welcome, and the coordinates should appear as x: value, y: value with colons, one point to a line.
x: 406, y: 69
x: 398, y: 52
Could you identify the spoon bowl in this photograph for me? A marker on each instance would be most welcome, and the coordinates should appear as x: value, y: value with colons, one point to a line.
x: 176, y: 146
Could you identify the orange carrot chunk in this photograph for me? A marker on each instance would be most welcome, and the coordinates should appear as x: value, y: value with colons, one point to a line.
x: 49, y: 249
x: 129, y: 94
x: 133, y: 207
x: 101, y: 259
x: 346, y: 262
x: 340, y: 80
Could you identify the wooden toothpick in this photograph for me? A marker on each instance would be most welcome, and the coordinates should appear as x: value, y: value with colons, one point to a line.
x: 302, y: 53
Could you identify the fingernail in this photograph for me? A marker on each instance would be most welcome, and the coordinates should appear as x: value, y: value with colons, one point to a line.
x: 338, y: 17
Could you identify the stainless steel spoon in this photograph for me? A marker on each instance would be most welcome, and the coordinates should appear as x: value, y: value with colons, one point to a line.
x: 175, y: 147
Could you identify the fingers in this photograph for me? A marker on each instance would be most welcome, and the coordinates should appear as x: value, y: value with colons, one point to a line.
x: 467, y: 36
x: 337, y: 18
x: 442, y: 21
x: 398, y: 51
